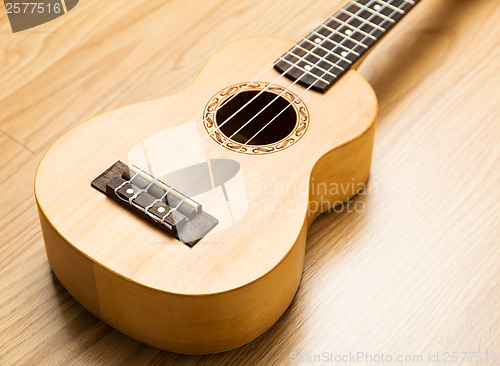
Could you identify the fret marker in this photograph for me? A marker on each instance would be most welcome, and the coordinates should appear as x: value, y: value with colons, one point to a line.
x: 376, y: 7
x: 317, y: 40
x: 308, y: 67
x: 130, y: 191
x: 161, y: 209
x: 348, y: 31
x: 344, y: 53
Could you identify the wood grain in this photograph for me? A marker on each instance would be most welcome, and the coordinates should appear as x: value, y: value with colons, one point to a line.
x: 415, y: 272
x: 242, y: 276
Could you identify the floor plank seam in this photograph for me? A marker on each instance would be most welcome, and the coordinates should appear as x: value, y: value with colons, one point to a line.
x: 17, y: 142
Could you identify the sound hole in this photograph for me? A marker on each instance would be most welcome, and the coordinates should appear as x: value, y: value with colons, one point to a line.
x: 265, y: 121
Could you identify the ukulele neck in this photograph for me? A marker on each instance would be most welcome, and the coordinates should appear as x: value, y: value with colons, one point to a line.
x: 322, y: 57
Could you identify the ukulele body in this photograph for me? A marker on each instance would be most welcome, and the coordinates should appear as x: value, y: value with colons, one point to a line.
x: 239, y: 279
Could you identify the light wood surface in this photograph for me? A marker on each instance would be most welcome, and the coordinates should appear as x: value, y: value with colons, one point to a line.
x: 416, y: 271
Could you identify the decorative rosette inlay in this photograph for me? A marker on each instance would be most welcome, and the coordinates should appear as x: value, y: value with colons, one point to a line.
x: 224, y: 95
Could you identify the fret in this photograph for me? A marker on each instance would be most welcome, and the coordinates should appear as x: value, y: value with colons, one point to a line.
x: 314, y: 51
x: 318, y: 57
x: 373, y: 18
x: 341, y: 39
x: 354, y: 29
x: 322, y: 57
x: 328, y: 58
x: 304, y: 70
x: 386, y: 4
x: 406, y: 5
x: 311, y: 64
x: 335, y: 43
x: 403, y: 5
x: 343, y: 35
x: 370, y: 28
x: 374, y: 12
x: 319, y: 61
x: 388, y: 12
x: 326, y: 50
x: 373, y: 25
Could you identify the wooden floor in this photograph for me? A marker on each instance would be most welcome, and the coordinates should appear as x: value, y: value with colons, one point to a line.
x: 415, y: 271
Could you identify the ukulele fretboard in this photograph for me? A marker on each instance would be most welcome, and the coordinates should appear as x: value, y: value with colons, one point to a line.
x: 322, y: 57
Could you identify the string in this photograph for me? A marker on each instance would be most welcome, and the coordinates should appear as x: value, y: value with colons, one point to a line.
x: 295, y: 64
x: 155, y: 179
x: 210, y: 115
x: 320, y: 59
x: 366, y: 22
x: 317, y: 79
x: 267, y: 124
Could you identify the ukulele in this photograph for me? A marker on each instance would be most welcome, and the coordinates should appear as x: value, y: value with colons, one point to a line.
x: 182, y: 221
